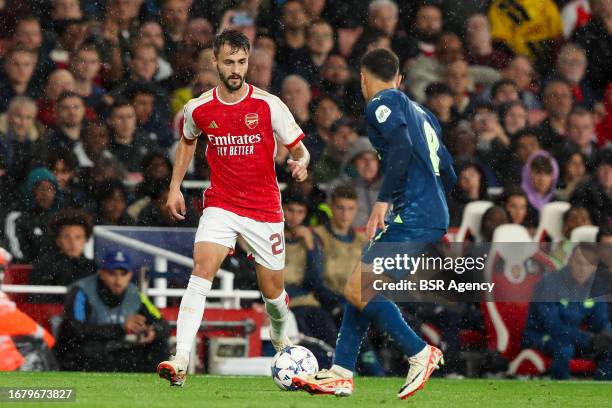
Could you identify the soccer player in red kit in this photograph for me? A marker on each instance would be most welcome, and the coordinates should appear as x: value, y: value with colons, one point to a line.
x: 241, y: 126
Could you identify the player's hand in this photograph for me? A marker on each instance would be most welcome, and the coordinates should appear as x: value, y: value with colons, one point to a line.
x: 148, y: 336
x: 298, y: 170
x: 135, y: 324
x: 377, y: 219
x: 306, y: 234
x: 176, y: 204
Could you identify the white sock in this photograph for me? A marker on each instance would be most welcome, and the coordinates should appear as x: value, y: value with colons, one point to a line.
x: 342, y: 372
x: 278, y: 311
x: 190, y: 314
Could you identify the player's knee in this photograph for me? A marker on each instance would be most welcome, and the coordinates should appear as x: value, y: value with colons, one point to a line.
x: 203, y: 271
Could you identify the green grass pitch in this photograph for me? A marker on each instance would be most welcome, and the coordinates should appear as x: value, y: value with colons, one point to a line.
x: 147, y: 390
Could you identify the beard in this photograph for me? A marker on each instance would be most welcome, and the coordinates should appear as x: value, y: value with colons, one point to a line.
x: 226, y: 81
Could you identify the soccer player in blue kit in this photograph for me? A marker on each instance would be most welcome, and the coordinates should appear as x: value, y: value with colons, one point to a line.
x: 418, y: 171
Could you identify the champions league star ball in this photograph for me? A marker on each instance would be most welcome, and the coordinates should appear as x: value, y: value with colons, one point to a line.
x: 289, y: 362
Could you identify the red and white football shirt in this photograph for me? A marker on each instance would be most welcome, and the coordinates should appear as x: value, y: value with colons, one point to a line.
x: 241, y: 146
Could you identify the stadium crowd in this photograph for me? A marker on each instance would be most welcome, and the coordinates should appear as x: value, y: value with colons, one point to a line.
x: 91, y: 98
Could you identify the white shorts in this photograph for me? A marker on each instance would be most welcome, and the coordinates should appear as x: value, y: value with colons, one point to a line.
x: 265, y: 239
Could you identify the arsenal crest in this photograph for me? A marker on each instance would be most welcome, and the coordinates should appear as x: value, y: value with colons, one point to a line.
x: 251, y: 120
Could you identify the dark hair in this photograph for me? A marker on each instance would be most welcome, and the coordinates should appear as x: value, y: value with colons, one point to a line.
x: 542, y: 164
x: 526, y: 132
x: 72, y: 216
x: 382, y: 63
x: 512, y: 191
x: 139, y: 88
x: 345, y: 191
x: 571, y: 210
x: 500, y: 84
x: 67, y: 156
x: 437, y: 88
x: 293, y: 196
x: 158, y: 187
x: 17, y: 49
x: 554, y: 80
x: 604, y: 230
x: 579, y: 111
x: 152, y: 155
x: 314, y: 105
x: 106, y: 189
x: 69, y: 94
x: 234, y: 38
x: 120, y: 103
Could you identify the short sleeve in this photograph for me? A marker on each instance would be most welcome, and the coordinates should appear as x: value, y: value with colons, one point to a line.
x: 385, y: 114
x: 190, y: 129
x: 286, y: 130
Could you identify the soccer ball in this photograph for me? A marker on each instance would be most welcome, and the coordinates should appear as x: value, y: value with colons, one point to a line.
x: 289, y: 362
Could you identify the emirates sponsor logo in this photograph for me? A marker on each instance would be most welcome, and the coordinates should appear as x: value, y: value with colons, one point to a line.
x: 251, y: 120
x: 231, y: 140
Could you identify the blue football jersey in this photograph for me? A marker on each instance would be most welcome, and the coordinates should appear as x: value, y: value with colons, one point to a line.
x: 419, y: 199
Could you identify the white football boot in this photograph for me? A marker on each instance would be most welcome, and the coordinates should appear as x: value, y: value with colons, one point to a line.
x: 421, y: 366
x: 174, y: 370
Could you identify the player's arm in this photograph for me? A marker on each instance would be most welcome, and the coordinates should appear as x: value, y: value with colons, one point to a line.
x: 298, y: 164
x: 184, y: 155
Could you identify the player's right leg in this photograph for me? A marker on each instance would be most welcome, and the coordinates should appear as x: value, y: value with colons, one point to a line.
x: 214, y: 238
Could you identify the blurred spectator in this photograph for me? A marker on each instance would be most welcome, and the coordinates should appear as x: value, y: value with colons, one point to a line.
x: 573, y: 166
x: 571, y: 66
x: 337, y: 80
x: 85, y: 67
x: 602, y: 282
x: 64, y: 263
x: 520, y: 71
x: 492, y: 138
x: 539, y: 179
x: 60, y: 81
x: 108, y: 325
x: 292, y: 34
x: 528, y: 28
x: 70, y: 35
x: 595, y: 194
x: 69, y: 125
x: 479, y: 44
x: 573, y: 218
x: 304, y: 259
x: 595, y: 39
x: 296, y: 94
x: 149, y: 121
x: 326, y: 111
x: 604, y: 126
x: 16, y: 144
x: 560, y: 308
x: 156, y: 166
x: 20, y: 119
x: 260, y: 69
x: 150, y: 32
x: 462, y: 143
x: 65, y: 167
x: 425, y: 31
x: 491, y: 219
x: 127, y: 143
x: 19, y: 65
x: 471, y: 186
x: 94, y: 144
x: 508, y: 166
x: 557, y: 101
x: 439, y: 100
x: 318, y: 209
x: 27, y: 229
x: 198, y: 35
x: 504, y: 91
x: 343, y: 135
x: 319, y: 44
x: 112, y: 204
x: 513, y: 116
x: 515, y: 203
x: 581, y: 134
x: 457, y: 78
x: 361, y: 169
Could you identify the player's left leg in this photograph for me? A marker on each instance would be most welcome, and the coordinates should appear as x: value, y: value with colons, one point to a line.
x: 267, y: 243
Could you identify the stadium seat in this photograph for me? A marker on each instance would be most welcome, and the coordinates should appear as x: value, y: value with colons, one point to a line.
x: 585, y: 233
x: 515, y: 264
x: 532, y: 362
x: 470, y: 221
x: 551, y: 222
